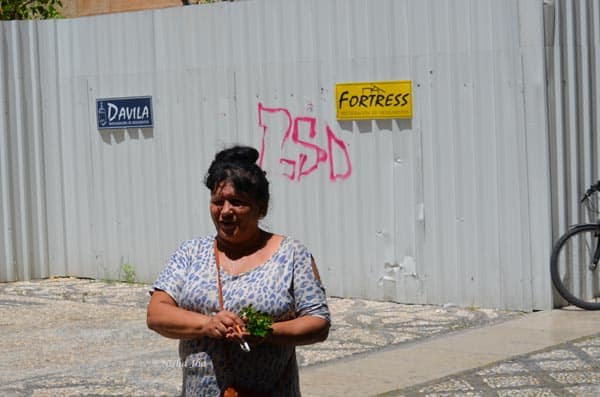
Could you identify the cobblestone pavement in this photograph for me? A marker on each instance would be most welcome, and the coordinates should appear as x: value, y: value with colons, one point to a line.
x: 569, y: 369
x: 73, y: 337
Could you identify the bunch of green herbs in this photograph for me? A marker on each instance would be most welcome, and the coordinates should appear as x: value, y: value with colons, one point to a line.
x: 257, y: 323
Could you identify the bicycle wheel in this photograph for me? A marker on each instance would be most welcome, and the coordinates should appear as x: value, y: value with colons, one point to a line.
x: 570, y: 263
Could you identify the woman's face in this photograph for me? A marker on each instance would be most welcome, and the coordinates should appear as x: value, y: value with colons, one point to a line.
x: 235, y: 215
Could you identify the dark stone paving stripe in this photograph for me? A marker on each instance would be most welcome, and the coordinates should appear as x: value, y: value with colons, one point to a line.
x: 484, y: 382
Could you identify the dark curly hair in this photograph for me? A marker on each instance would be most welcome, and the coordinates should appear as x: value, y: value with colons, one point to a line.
x: 238, y: 166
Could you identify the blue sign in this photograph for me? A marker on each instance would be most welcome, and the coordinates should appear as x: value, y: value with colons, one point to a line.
x: 131, y: 112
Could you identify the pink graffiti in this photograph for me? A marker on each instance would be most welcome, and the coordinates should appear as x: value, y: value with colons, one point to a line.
x: 301, y: 166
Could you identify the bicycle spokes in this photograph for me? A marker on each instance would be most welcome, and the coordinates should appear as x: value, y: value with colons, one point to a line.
x: 596, y: 256
x: 574, y: 260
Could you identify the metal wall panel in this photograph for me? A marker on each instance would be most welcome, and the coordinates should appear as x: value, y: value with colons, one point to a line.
x: 23, y: 246
x: 449, y: 206
x: 477, y: 219
x: 573, y: 64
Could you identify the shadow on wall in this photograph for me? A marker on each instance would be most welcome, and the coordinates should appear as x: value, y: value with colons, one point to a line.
x: 117, y: 136
x: 369, y: 126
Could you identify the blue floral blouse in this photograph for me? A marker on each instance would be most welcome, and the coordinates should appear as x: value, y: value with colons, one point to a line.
x: 284, y: 286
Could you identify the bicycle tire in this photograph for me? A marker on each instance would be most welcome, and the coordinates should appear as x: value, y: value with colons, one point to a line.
x: 569, y: 269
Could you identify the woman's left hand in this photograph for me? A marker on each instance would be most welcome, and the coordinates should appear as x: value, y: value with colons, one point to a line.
x: 254, y: 340
x: 299, y: 331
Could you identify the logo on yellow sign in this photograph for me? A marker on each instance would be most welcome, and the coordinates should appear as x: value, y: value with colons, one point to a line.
x: 374, y: 100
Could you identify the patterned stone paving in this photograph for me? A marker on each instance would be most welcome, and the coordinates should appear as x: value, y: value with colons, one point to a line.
x: 74, y: 337
x: 569, y: 369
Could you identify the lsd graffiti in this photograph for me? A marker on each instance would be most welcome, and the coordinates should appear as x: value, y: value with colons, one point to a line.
x: 300, y: 154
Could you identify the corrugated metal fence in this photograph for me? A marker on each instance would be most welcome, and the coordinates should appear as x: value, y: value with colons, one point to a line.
x: 452, y: 205
x: 573, y: 69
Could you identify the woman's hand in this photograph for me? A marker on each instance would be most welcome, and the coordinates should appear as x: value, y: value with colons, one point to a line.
x: 225, y: 324
x: 168, y: 319
x: 254, y: 340
x: 303, y: 330
x: 299, y: 331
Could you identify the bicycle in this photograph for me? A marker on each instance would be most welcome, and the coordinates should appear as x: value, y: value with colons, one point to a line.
x: 575, y: 257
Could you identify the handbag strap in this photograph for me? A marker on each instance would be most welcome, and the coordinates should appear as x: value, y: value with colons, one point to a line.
x: 219, y: 285
x: 235, y: 391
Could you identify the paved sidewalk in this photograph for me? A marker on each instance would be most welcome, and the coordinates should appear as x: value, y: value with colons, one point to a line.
x: 73, y: 337
x: 550, y: 353
x: 568, y: 369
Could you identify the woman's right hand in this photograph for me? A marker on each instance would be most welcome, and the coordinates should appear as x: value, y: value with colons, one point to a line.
x: 223, y: 325
x: 168, y: 319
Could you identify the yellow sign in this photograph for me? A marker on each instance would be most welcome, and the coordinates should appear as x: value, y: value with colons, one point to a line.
x: 374, y: 100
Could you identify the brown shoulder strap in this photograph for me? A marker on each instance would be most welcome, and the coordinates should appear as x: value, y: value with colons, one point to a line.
x: 219, y: 287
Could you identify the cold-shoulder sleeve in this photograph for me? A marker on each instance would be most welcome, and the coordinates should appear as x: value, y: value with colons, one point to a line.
x: 309, y: 292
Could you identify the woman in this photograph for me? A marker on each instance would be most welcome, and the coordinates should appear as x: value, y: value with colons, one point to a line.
x: 275, y: 274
